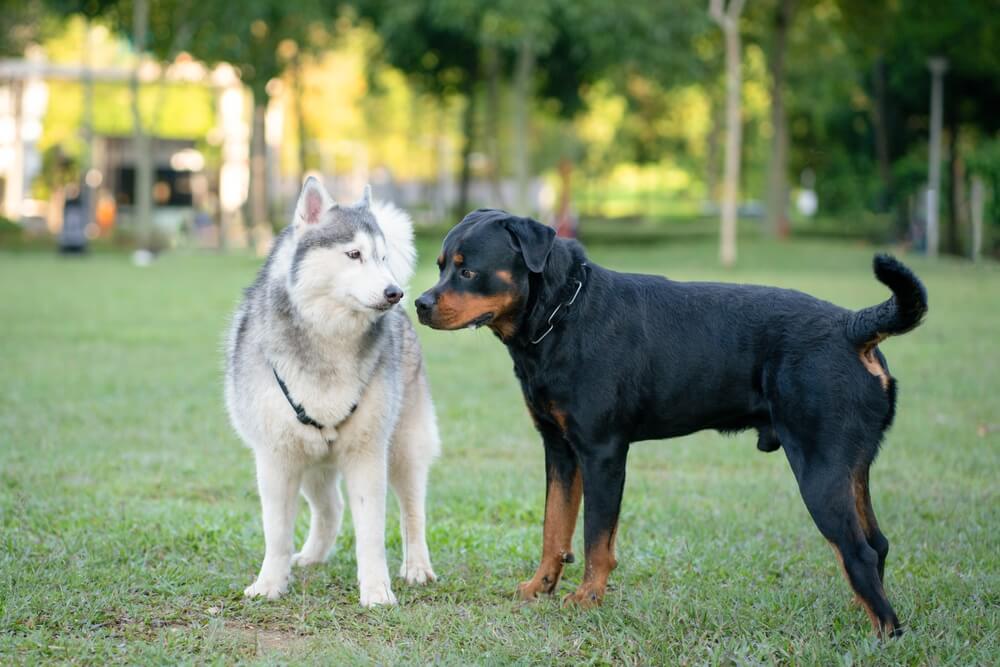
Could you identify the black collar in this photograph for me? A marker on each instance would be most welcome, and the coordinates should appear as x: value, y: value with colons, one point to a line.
x: 567, y: 297
x: 300, y: 412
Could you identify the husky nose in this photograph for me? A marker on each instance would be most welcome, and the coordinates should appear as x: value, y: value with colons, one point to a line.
x: 424, y: 304
x: 393, y: 294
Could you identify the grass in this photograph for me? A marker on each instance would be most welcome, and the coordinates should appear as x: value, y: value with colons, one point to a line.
x: 129, y: 520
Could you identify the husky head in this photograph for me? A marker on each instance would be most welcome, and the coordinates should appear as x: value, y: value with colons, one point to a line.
x: 354, y: 257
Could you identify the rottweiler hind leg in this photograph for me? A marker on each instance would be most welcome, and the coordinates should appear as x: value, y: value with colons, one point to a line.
x: 829, y: 495
x: 869, y: 524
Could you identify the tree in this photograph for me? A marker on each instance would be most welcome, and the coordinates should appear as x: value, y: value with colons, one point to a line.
x: 894, y: 42
x: 548, y: 49
x: 436, y: 44
x: 248, y: 36
x: 172, y: 23
x: 727, y: 16
x: 777, y: 171
x: 23, y: 20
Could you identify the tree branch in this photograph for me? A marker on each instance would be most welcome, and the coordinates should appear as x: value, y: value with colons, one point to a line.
x: 715, y: 11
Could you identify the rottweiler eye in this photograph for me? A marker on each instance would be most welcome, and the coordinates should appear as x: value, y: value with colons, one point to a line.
x: 353, y: 254
x: 468, y: 275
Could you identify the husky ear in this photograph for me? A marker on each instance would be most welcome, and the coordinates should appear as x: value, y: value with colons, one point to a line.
x: 313, y: 202
x: 366, y: 198
x: 533, y: 239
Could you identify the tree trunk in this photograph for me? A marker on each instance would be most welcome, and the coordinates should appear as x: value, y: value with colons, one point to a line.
x: 522, y: 104
x: 937, y: 67
x: 468, y: 133
x: 712, y: 148
x: 880, y: 127
x: 143, y: 204
x: 565, y: 224
x: 978, y: 197
x: 777, y: 176
x: 258, y: 169
x: 492, y: 135
x: 728, y: 20
x: 298, y: 91
x: 956, y: 190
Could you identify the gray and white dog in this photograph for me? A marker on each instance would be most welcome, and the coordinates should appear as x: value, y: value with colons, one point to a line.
x: 324, y: 378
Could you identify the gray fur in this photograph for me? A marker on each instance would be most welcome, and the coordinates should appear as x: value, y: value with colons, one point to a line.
x: 333, y: 353
x: 341, y: 225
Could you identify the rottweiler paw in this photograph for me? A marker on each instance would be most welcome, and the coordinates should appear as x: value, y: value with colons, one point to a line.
x: 530, y: 590
x: 585, y: 597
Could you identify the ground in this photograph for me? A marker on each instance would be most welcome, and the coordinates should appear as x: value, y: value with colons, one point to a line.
x: 129, y: 520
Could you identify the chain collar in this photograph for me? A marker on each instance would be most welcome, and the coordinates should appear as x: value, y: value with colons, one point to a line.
x: 563, y: 305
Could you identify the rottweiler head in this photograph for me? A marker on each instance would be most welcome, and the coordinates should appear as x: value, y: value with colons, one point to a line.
x: 485, y: 263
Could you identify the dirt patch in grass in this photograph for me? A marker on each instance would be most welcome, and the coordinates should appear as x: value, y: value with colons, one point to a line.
x: 265, y: 641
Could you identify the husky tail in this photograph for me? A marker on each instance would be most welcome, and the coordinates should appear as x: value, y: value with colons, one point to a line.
x: 897, y: 315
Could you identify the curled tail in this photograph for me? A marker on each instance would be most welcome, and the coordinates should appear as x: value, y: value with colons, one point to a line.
x: 900, y: 313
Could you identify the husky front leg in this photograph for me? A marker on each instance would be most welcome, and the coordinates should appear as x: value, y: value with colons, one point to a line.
x: 278, y: 481
x: 414, y: 447
x: 409, y: 482
x: 326, y: 507
x: 365, y: 473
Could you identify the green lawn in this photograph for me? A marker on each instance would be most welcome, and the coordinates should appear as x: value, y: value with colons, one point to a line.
x: 129, y: 521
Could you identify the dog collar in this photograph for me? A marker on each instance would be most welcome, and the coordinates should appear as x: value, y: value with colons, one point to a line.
x: 300, y: 412
x: 576, y: 284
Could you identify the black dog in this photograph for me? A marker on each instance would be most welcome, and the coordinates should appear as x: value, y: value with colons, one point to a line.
x: 606, y: 359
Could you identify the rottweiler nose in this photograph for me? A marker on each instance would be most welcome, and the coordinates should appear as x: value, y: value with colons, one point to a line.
x: 393, y: 294
x: 424, y: 304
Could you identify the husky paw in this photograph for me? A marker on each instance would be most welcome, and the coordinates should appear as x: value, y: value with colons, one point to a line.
x: 305, y: 559
x: 272, y: 589
x: 377, y: 594
x: 417, y: 573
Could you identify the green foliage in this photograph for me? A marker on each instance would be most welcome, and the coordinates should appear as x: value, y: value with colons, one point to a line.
x: 432, y: 41
x: 10, y: 232
x: 614, y: 85
x: 22, y: 19
x: 985, y: 163
x: 256, y: 36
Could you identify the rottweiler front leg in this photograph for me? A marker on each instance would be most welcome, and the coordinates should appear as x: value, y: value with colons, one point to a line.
x: 603, y: 482
x: 562, y: 504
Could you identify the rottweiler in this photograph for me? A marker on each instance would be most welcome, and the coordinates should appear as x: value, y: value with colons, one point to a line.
x: 606, y: 359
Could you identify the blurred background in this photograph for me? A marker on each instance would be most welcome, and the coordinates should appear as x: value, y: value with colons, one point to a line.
x: 776, y: 142
x: 156, y: 124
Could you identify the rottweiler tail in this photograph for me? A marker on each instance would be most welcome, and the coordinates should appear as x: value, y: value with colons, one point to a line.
x: 901, y: 313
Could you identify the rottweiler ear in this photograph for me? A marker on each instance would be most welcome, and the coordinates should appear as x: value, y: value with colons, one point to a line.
x: 533, y: 239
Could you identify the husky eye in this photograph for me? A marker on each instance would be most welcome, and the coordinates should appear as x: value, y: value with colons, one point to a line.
x: 353, y: 254
x: 468, y: 275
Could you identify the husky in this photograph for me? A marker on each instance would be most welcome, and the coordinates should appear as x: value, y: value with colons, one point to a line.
x: 324, y: 377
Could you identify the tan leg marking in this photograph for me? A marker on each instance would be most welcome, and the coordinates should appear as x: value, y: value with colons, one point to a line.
x: 559, y: 416
x: 600, y: 562
x: 880, y: 630
x: 562, y: 506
